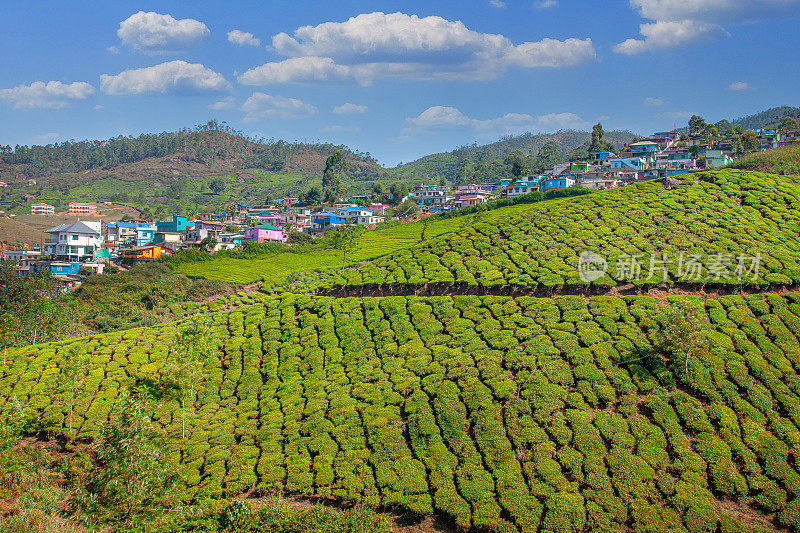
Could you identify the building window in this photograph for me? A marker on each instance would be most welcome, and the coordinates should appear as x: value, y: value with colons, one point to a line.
x: 74, y: 237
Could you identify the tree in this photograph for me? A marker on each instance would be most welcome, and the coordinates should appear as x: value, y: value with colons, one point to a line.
x: 442, y: 182
x: 750, y: 141
x: 344, y: 238
x: 599, y: 144
x: 331, y: 196
x: 335, y: 166
x: 682, y: 334
x: 36, y: 302
x: 377, y: 189
x: 183, y: 369
x: 406, y: 209
x: 788, y: 123
x: 74, y: 369
x: 517, y: 162
x: 9, y: 324
x: 724, y: 127
x: 136, y: 479
x: 312, y: 196
x: 549, y: 155
x: 399, y: 192
x: 696, y: 125
x: 217, y: 186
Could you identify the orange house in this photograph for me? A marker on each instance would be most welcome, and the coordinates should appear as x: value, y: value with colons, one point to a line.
x: 152, y: 251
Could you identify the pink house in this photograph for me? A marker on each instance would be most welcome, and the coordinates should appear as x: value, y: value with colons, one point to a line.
x: 469, y: 199
x: 377, y: 209
x: 263, y: 233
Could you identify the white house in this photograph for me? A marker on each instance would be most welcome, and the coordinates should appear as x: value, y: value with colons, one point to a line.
x: 23, y: 258
x: 73, y: 242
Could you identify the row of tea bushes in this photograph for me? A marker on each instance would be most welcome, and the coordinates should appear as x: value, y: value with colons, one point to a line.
x: 518, y: 414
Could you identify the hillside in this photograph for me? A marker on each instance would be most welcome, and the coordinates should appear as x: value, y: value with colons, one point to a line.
x: 446, y: 164
x: 535, y: 249
x: 784, y: 160
x: 769, y: 118
x: 513, y: 414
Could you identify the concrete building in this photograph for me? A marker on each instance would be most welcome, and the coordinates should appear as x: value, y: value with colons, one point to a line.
x: 73, y: 242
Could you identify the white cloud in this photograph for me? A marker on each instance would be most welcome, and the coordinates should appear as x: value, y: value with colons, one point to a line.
x: 340, y: 129
x: 545, y: 4
x: 349, y: 109
x: 225, y: 103
x: 739, y: 86
x: 262, y: 106
x: 98, y: 107
x: 172, y: 76
x: 683, y: 22
x: 46, y: 138
x: 49, y: 95
x: 243, y: 38
x: 112, y: 50
x: 499, y: 4
x: 154, y: 33
x: 670, y: 34
x: 654, y: 101
x: 396, y: 45
x: 445, y: 117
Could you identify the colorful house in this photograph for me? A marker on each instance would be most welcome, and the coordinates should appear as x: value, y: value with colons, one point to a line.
x: 557, y: 182
x: 173, y: 224
x: 326, y: 220
x: 146, y: 253
x: 264, y: 233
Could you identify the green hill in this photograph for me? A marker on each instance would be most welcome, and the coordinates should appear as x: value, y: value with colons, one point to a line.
x: 713, y: 218
x: 783, y: 161
x: 513, y: 414
x: 446, y: 164
x: 769, y: 118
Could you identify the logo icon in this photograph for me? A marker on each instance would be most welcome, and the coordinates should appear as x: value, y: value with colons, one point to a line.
x: 591, y: 266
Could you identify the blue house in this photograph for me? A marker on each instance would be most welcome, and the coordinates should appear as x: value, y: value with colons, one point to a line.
x: 557, y: 182
x: 599, y: 156
x: 144, y: 235
x: 173, y: 224
x: 65, y: 269
x: 635, y: 163
x: 326, y: 220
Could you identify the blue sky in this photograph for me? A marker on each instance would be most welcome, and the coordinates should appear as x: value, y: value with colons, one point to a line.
x: 396, y: 79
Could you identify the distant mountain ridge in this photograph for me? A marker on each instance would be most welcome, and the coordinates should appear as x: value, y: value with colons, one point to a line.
x: 769, y: 118
x: 446, y: 163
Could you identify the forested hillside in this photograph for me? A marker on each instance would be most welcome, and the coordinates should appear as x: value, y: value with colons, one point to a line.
x: 769, y: 118
x: 448, y: 164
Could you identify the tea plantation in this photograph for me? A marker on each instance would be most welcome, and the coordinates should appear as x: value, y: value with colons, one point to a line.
x: 506, y: 414
x: 707, y: 230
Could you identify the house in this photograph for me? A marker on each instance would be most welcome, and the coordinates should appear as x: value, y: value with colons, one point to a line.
x: 351, y: 214
x: 635, y: 163
x: 644, y: 147
x: 73, y: 242
x: 42, y: 209
x: 208, y: 217
x: 369, y: 219
x: 524, y: 185
x: 326, y: 220
x: 600, y: 156
x: 149, y: 252
x: 598, y: 182
x: 263, y: 233
x: 378, y: 209
x: 78, y: 208
x: 557, y: 182
x: 716, y: 158
x: 295, y: 219
x: 202, y: 231
x: 23, y: 258
x: 165, y: 237
x: 58, y: 268
x: 469, y: 199
x: 129, y: 233
x: 173, y: 224
x: 231, y: 238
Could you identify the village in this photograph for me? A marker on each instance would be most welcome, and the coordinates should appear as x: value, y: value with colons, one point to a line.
x: 71, y: 251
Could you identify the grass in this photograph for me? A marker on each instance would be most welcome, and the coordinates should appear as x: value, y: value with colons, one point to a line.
x: 784, y: 160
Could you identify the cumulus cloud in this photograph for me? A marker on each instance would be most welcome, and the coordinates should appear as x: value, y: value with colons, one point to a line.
x: 262, y: 106
x: 739, y: 86
x: 499, y: 4
x: 654, y: 101
x: 243, y: 38
x: 545, y: 4
x: 445, y: 117
x: 172, y: 76
x: 112, y: 50
x: 396, y: 45
x: 154, y: 33
x: 225, y: 103
x: 682, y: 22
x: 48, y: 95
x: 349, y: 109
